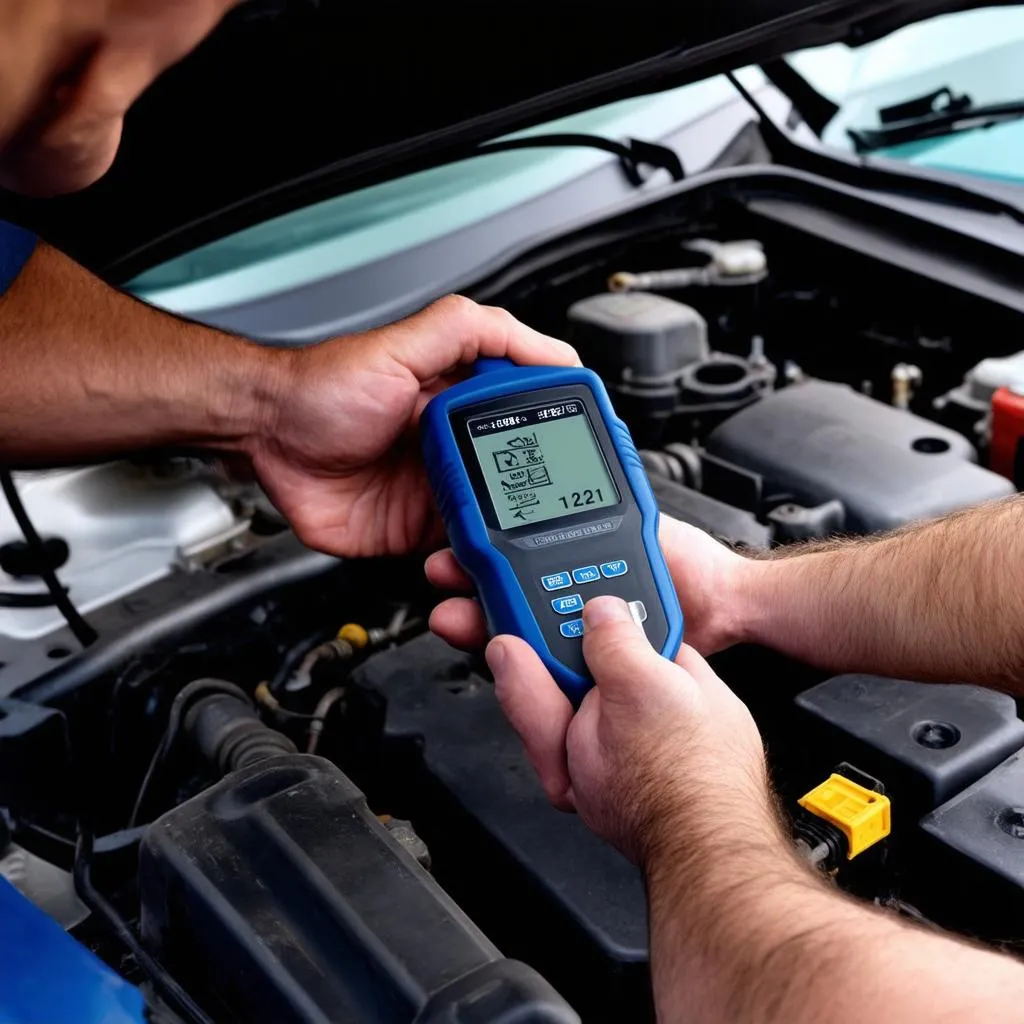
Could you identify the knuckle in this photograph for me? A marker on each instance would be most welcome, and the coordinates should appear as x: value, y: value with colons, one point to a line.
x: 502, y: 321
x: 501, y: 315
x: 456, y: 306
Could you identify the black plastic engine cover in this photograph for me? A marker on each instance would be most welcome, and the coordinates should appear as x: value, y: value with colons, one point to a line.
x: 925, y: 741
x: 543, y: 886
x: 975, y: 857
x: 277, y: 896
x: 818, y: 441
x: 716, y: 517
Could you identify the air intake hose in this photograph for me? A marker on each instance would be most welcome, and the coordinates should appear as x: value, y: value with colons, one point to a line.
x: 228, y: 733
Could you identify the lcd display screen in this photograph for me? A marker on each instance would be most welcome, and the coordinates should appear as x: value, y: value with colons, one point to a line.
x: 541, y: 463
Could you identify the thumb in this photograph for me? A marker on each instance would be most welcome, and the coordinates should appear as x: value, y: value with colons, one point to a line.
x: 624, y: 664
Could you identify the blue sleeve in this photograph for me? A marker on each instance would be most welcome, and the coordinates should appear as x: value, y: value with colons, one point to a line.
x: 16, y: 246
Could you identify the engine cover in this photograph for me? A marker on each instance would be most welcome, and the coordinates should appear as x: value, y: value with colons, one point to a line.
x: 552, y: 894
x: 817, y: 441
x: 277, y: 896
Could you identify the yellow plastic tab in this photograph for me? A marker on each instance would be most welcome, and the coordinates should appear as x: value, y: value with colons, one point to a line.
x: 860, y: 814
x: 354, y: 634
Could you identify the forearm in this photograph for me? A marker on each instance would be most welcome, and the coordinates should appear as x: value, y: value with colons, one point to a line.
x: 86, y: 372
x: 741, y: 931
x: 937, y: 601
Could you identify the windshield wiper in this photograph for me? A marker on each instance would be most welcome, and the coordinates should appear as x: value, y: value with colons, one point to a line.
x: 929, y: 117
x: 631, y: 153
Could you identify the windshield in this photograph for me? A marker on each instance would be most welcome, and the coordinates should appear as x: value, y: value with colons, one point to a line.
x: 977, y: 55
x: 356, y: 229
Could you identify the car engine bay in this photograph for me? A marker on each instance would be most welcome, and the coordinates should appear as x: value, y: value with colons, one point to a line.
x: 267, y: 792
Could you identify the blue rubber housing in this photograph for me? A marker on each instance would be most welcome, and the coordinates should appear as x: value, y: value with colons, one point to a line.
x: 45, y: 975
x: 505, y: 604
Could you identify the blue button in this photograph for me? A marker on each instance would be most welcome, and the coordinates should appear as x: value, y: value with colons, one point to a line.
x: 613, y: 569
x: 565, y: 605
x: 572, y: 628
x: 556, y: 581
x: 587, y: 574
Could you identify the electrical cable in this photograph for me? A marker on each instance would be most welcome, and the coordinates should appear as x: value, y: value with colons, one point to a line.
x: 168, y: 988
x: 174, y: 720
x: 12, y: 600
x: 175, y: 996
x: 83, y: 632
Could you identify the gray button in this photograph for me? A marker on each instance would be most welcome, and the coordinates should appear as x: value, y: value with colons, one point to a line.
x: 639, y: 612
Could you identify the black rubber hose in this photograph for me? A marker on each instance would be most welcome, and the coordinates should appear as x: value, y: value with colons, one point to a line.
x: 84, y: 633
x: 227, y: 732
x: 174, y: 718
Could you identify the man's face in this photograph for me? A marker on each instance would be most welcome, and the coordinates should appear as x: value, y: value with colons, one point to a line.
x: 69, y: 71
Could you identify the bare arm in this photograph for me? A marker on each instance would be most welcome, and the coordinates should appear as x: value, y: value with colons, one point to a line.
x: 745, y: 933
x: 86, y: 371
x: 937, y: 601
x: 666, y: 763
x: 329, y: 429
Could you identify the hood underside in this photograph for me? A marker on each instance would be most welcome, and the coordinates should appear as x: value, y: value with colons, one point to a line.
x: 289, y: 103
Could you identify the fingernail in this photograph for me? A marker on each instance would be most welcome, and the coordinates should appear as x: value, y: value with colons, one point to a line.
x: 495, y: 655
x: 570, y: 352
x: 605, y: 609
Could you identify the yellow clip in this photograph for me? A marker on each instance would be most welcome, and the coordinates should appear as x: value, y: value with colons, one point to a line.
x: 860, y: 814
x: 355, y: 635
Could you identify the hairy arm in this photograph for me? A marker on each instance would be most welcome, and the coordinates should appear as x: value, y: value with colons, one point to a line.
x: 86, y: 371
x: 665, y: 762
x: 741, y: 931
x: 940, y: 600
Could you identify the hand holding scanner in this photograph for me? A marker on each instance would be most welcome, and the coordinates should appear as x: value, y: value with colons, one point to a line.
x: 547, y: 505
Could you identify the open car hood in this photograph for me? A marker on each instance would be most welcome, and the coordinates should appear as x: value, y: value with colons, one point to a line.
x: 289, y: 103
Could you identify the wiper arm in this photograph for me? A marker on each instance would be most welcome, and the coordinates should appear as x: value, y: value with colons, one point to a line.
x: 924, y: 118
x: 631, y: 153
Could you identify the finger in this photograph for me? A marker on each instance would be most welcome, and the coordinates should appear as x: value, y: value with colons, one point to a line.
x: 624, y: 664
x: 538, y: 710
x: 445, y: 573
x: 695, y: 664
x: 457, y: 330
x: 677, y: 538
x: 460, y: 622
x: 671, y: 535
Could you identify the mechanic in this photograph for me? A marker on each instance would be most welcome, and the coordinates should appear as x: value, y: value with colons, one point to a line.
x: 87, y: 372
x: 665, y: 762
x: 662, y: 759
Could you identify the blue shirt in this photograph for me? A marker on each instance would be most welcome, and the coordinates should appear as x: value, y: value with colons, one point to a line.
x: 16, y: 246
